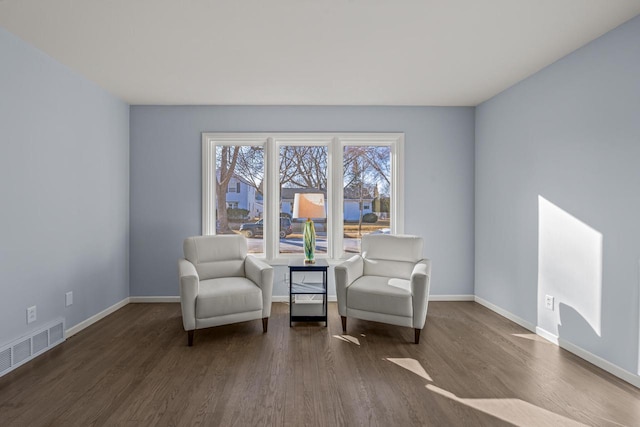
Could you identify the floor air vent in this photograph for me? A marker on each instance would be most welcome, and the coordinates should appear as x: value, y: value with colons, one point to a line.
x: 26, y: 348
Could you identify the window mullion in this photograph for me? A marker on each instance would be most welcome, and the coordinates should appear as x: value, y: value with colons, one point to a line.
x: 397, y: 176
x: 337, y: 225
x: 208, y: 186
x: 272, y: 199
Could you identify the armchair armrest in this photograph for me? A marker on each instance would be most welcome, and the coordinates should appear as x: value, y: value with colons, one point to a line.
x: 346, y: 273
x: 420, y: 284
x: 261, y: 274
x: 189, y: 283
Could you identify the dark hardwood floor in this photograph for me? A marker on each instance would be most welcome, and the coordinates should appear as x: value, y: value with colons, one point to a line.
x: 472, y: 367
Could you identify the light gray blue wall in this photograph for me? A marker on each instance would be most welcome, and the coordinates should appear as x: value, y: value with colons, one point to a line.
x: 571, y: 134
x: 166, y: 180
x: 64, y: 192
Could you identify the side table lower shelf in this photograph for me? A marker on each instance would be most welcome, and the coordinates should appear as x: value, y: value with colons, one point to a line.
x: 308, y: 311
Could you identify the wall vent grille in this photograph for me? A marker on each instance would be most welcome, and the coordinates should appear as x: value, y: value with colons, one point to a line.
x: 5, y: 360
x: 40, y: 341
x: 22, y: 350
x: 56, y: 333
x: 27, y: 347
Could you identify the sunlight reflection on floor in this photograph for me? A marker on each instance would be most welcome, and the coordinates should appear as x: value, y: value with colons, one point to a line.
x: 514, y: 411
x: 348, y: 338
x: 411, y: 365
x: 533, y: 337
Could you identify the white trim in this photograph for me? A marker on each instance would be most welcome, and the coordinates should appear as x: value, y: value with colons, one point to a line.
x: 451, y: 297
x: 504, y: 313
x: 333, y: 298
x: 397, y: 172
x: 285, y: 298
x: 601, y: 363
x: 208, y: 185
x: 590, y: 357
x: 613, y: 369
x: 209, y: 143
x: 149, y: 299
x: 96, y: 317
x: 271, y: 200
x: 396, y: 144
x: 547, y: 335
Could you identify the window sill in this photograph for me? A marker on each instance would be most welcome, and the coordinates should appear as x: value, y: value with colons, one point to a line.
x: 284, y: 261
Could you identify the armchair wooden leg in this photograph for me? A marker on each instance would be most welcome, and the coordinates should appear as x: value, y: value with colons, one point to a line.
x: 417, y: 335
x: 265, y: 324
x: 344, y: 324
x: 190, y: 338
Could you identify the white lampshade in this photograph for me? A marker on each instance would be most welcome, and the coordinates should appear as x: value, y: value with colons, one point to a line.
x: 308, y: 205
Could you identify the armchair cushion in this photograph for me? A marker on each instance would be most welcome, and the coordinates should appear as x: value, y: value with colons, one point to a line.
x: 383, y: 267
x: 381, y: 295
x: 229, y: 295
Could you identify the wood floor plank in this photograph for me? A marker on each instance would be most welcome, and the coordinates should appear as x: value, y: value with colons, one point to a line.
x: 472, y: 367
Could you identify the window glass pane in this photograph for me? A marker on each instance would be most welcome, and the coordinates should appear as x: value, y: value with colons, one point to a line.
x: 303, y: 170
x: 239, y: 199
x: 367, y: 193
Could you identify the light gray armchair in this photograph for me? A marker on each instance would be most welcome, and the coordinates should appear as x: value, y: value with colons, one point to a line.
x: 388, y: 283
x: 221, y: 284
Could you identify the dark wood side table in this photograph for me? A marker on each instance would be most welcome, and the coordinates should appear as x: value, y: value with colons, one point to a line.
x: 307, y: 312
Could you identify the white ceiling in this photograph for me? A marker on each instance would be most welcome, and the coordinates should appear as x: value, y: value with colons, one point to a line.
x: 310, y: 52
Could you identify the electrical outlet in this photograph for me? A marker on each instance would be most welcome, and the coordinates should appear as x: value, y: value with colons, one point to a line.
x: 68, y: 299
x: 548, y: 302
x: 31, y: 314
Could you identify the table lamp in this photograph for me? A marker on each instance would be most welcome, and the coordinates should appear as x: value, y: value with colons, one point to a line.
x: 309, y: 205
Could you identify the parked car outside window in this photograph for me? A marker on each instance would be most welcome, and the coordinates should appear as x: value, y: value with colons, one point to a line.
x: 256, y: 229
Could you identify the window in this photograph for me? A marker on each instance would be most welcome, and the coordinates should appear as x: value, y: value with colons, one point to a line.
x: 237, y: 165
x: 303, y: 169
x: 257, y: 176
x: 366, y: 181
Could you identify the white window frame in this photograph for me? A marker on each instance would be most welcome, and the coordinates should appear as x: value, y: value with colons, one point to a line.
x: 271, y: 143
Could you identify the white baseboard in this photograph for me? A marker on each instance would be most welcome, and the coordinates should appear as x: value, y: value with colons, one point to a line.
x: 504, y: 313
x: 93, y: 319
x: 590, y: 357
x: 572, y: 348
x: 136, y: 300
x: 333, y: 298
x: 451, y: 298
x: 285, y: 298
x: 547, y: 335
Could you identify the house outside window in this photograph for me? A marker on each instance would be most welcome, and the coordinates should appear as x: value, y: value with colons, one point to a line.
x: 359, y: 175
